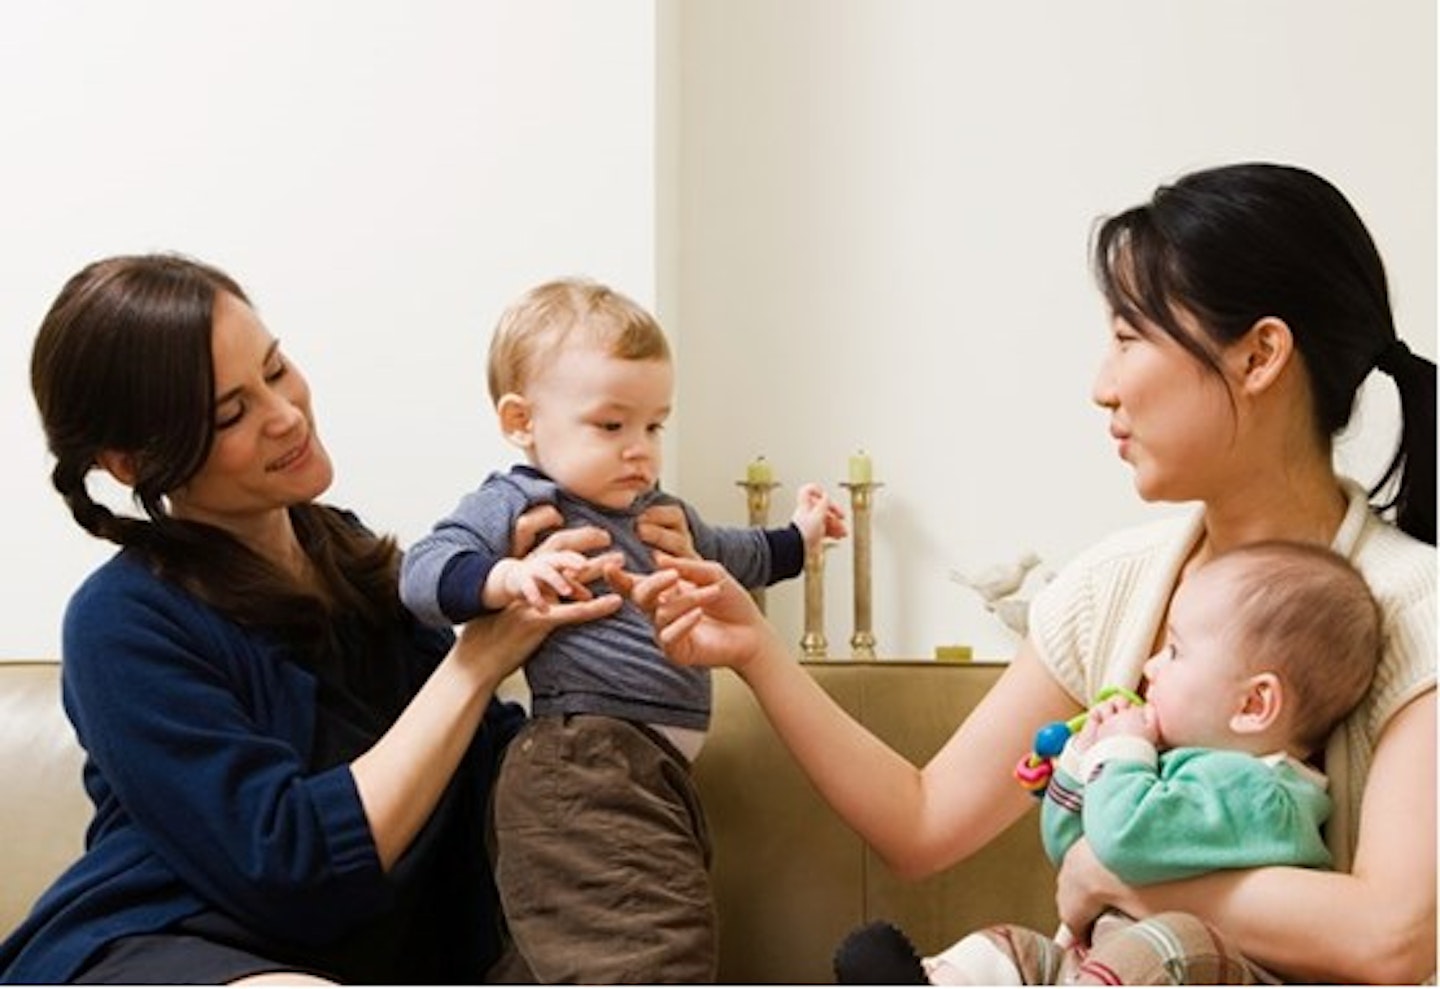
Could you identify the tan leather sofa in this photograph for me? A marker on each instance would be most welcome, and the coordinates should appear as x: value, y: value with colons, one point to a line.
x: 791, y: 879
x: 43, y: 809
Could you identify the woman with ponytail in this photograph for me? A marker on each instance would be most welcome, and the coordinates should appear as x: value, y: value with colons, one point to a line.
x: 290, y: 776
x: 1248, y: 305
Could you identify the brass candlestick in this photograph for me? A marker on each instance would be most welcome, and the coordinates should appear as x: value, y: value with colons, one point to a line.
x: 758, y: 484
x: 862, y: 643
x: 812, y: 643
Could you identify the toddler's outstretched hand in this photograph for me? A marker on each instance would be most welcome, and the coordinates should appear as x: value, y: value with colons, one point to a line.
x: 539, y: 579
x: 817, y: 516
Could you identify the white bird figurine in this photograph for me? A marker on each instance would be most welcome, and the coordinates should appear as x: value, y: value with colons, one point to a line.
x: 1000, y: 580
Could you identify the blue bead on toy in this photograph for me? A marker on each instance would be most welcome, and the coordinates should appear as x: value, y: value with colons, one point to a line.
x: 1050, y: 740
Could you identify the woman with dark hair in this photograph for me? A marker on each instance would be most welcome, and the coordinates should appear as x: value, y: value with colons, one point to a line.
x: 1248, y: 305
x: 290, y: 776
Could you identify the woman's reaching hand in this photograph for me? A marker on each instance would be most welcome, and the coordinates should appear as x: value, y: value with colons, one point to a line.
x: 702, y: 616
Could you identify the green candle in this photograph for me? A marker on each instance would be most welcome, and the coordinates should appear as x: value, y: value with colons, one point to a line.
x: 861, y: 470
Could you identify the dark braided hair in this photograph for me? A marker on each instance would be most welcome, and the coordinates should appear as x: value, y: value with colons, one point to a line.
x: 122, y: 366
x: 1233, y: 245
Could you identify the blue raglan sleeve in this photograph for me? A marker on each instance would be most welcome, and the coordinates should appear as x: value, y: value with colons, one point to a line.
x: 443, y: 572
x: 190, y: 742
x: 754, y: 556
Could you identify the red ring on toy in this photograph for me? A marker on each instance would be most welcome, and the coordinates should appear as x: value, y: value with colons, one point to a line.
x: 1033, y: 773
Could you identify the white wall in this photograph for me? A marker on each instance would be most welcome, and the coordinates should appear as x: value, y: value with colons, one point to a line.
x: 381, y: 175
x: 884, y: 208
x: 864, y: 222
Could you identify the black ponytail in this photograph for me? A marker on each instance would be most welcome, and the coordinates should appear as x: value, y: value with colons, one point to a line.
x: 1409, y: 481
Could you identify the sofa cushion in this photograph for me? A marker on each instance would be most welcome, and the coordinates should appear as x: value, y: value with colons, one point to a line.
x: 44, y: 810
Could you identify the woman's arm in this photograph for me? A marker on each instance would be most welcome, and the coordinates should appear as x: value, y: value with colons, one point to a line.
x: 1376, y: 924
x: 400, y: 778
x: 918, y: 820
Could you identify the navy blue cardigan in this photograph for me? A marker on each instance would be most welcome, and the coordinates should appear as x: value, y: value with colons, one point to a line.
x: 198, y: 735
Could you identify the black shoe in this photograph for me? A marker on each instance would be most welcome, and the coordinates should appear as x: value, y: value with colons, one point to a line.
x: 878, y: 954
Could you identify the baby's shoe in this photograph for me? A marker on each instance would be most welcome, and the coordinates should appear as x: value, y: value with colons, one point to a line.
x: 878, y: 954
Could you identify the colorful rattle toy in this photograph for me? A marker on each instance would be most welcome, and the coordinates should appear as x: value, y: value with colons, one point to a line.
x: 1035, y: 769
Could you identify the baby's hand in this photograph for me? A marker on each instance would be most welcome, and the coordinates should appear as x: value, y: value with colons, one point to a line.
x: 538, y: 579
x: 817, y: 517
x: 1117, y: 716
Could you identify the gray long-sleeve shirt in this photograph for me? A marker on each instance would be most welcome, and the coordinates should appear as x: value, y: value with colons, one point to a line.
x: 611, y: 666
